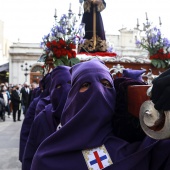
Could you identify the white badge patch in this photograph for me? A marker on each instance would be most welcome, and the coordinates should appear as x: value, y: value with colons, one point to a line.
x: 97, y: 158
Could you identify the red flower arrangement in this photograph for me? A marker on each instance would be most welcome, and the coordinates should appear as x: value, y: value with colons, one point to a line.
x: 156, y: 45
x: 160, y: 55
x: 60, y: 44
x: 62, y: 48
x: 160, y: 59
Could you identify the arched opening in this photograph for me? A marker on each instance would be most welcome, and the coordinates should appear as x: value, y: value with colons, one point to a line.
x: 36, y: 74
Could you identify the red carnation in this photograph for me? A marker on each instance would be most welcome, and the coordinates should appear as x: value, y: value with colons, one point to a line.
x: 72, y: 46
x: 48, y: 44
x: 58, y: 45
x: 63, y: 52
x: 168, y: 56
x: 73, y: 54
x: 69, y: 54
x: 54, y: 43
x: 62, y: 43
x: 58, y: 53
x: 161, y: 50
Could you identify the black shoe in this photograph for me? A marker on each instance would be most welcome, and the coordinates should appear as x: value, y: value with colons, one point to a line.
x: 14, y: 120
x: 19, y: 119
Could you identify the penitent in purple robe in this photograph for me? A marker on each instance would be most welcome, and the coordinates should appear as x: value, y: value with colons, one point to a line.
x: 46, y: 121
x: 85, y: 140
x: 30, y: 114
x: 45, y: 100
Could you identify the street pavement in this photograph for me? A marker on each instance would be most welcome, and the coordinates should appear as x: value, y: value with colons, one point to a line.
x: 9, y: 144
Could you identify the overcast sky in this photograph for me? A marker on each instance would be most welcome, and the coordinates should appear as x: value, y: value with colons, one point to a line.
x: 30, y: 20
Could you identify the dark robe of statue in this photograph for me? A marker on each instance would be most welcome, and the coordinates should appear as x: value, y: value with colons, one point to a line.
x: 87, y: 19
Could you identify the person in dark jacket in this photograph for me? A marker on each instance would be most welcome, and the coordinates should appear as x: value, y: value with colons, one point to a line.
x: 2, y: 108
x: 25, y: 97
x: 16, y: 102
x: 7, y: 98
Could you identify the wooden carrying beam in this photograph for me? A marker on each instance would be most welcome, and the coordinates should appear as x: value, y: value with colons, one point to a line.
x: 136, y: 95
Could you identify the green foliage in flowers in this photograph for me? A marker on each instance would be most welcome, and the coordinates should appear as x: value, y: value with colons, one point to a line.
x: 160, y: 63
x: 65, y: 61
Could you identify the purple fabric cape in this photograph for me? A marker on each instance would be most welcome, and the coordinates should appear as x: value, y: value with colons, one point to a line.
x: 87, y: 123
x: 41, y: 105
x: 26, y: 125
x: 30, y: 114
x: 42, y: 126
x: 46, y: 121
x: 38, y: 92
x: 35, y: 93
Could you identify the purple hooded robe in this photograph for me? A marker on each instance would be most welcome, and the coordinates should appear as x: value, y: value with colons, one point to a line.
x: 30, y: 114
x: 87, y: 125
x: 47, y: 120
x: 45, y: 100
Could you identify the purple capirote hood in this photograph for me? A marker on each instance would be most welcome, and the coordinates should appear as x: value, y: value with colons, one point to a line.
x: 87, y: 117
x: 60, y: 86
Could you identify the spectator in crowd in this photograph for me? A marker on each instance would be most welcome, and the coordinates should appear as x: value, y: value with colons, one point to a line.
x: 2, y: 108
x: 7, y: 98
x: 25, y: 97
x: 16, y: 102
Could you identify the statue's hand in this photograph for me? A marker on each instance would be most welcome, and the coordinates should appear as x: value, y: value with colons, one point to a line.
x: 160, y: 94
x: 97, y: 2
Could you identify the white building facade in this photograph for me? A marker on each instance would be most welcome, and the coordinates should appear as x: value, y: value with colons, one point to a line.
x: 4, y: 55
x: 26, y: 55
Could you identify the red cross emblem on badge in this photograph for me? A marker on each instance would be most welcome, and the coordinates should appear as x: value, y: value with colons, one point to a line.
x: 97, y: 158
